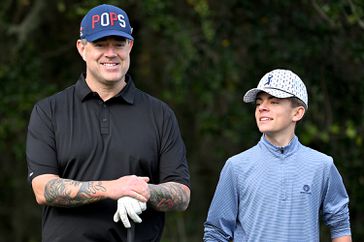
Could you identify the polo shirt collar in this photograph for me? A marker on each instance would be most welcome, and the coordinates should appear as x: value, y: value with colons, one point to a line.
x: 127, y: 94
x: 129, y: 91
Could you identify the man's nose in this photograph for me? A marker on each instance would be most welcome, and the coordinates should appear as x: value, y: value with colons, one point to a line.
x: 110, y: 51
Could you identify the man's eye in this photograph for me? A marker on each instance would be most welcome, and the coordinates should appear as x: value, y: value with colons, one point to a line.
x: 121, y: 44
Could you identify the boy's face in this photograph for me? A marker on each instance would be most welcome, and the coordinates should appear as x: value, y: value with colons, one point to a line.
x: 275, y: 117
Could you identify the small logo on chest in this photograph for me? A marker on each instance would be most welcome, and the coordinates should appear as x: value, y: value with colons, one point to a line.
x: 306, y: 189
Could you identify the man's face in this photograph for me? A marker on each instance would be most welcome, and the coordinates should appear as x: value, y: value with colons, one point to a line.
x: 275, y: 116
x: 107, y: 59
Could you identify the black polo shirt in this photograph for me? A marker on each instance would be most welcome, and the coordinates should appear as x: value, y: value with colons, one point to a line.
x: 77, y: 136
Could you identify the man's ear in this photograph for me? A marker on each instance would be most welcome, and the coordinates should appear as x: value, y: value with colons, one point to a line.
x: 81, y: 49
x: 131, y: 43
x: 298, y: 114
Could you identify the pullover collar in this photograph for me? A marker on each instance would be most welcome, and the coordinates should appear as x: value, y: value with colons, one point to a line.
x: 278, y: 151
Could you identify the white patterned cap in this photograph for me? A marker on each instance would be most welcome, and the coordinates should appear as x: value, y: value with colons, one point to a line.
x: 281, y: 84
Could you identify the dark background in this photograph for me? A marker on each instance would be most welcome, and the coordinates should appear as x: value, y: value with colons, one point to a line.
x: 199, y: 56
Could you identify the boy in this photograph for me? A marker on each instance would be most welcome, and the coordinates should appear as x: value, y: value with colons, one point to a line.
x: 276, y: 190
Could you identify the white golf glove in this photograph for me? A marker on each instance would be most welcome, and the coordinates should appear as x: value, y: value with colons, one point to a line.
x: 129, y: 206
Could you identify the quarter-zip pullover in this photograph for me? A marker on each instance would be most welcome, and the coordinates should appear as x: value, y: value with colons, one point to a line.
x: 270, y: 193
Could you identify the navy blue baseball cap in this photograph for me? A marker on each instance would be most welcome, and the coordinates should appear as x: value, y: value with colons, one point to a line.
x: 105, y: 20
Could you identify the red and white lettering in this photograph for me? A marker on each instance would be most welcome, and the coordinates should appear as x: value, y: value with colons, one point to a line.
x: 121, y: 20
x: 95, y: 19
x: 113, y: 18
x: 106, y: 19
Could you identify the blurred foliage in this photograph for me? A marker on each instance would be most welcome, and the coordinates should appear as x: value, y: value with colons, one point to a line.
x: 199, y: 56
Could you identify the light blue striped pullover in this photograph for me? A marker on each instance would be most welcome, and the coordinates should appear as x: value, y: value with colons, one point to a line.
x: 276, y: 194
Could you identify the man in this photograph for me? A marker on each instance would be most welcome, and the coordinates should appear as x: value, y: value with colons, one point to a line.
x: 276, y: 190
x: 102, y: 150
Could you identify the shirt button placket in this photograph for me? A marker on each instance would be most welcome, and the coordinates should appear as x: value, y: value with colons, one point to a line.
x: 105, y: 119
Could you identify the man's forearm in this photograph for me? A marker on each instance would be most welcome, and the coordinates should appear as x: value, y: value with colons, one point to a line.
x: 170, y: 196
x: 68, y: 193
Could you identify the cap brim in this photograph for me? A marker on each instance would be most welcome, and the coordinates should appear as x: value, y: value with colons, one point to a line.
x: 251, y: 95
x: 107, y: 33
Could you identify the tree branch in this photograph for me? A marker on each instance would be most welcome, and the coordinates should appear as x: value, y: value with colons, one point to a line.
x: 322, y: 14
x: 355, y: 12
x: 29, y: 24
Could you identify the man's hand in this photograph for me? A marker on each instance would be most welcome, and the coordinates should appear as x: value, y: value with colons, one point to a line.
x: 132, y: 186
x: 129, y: 206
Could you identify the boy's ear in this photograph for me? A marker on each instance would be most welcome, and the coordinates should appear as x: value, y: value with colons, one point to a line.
x: 299, y: 112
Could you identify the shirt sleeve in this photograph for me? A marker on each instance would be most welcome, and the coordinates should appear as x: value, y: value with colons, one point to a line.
x: 223, y: 212
x: 40, y: 144
x: 173, y: 162
x: 335, y: 205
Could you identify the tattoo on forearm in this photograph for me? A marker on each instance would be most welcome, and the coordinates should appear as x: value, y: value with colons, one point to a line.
x: 69, y: 193
x: 168, y: 197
